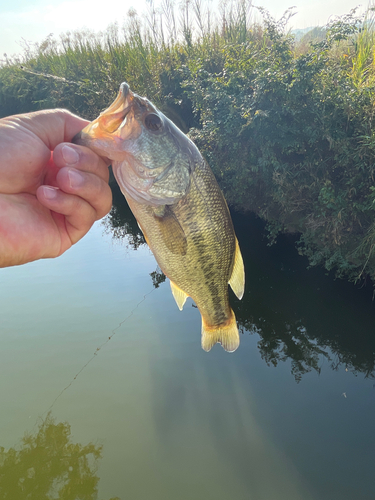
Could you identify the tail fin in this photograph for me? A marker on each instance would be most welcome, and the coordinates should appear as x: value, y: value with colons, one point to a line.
x: 225, y: 334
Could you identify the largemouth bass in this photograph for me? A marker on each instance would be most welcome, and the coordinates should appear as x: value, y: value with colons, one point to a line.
x: 179, y: 207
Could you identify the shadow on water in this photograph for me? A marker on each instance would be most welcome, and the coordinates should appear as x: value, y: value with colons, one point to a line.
x: 48, y: 465
x: 300, y: 314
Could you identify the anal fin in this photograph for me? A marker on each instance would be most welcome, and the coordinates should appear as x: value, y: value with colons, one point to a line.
x: 225, y: 334
x: 179, y: 295
x: 237, y: 279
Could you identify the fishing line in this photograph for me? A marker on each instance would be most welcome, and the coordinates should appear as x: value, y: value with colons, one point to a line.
x: 59, y: 78
x: 96, y: 352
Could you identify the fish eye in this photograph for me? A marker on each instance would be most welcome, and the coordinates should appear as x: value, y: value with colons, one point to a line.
x: 153, y: 122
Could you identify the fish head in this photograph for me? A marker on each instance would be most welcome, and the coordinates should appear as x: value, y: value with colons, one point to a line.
x: 152, y: 159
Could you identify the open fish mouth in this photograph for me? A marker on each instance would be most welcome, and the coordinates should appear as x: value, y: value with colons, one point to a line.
x: 110, y: 120
x: 119, y: 122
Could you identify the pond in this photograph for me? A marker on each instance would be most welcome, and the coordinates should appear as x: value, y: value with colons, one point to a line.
x: 107, y: 394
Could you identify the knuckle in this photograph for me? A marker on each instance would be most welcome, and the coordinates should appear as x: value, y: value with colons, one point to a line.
x: 105, y: 202
x: 91, y: 162
x: 77, y: 205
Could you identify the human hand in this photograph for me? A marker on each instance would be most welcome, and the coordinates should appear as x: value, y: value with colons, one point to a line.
x: 48, y: 201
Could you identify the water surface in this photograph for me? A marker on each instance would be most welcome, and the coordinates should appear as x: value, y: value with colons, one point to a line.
x: 108, y: 379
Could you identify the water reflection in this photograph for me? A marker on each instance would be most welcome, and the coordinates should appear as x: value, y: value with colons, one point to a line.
x: 303, y: 314
x: 121, y: 222
x: 158, y: 277
x: 50, y: 466
x: 300, y: 314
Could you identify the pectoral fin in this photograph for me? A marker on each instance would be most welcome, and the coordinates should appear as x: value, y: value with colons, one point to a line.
x: 237, y: 279
x: 171, y: 230
x: 159, y: 211
x: 179, y: 295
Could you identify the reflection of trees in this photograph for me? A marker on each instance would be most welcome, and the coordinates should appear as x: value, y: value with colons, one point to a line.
x: 300, y: 315
x: 290, y: 343
x: 121, y: 222
x: 158, y: 277
x: 50, y: 467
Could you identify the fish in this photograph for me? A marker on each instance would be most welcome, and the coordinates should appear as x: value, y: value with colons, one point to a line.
x: 179, y: 207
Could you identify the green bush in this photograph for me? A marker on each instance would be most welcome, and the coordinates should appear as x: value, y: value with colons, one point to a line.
x: 286, y: 128
x: 290, y: 138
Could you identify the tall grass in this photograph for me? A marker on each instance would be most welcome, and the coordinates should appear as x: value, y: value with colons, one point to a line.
x: 143, y: 51
x: 287, y: 127
x: 362, y: 71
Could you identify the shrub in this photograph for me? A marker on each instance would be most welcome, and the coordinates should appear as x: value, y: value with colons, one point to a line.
x: 286, y: 128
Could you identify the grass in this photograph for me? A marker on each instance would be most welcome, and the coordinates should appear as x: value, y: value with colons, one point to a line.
x: 91, y: 65
x: 286, y: 126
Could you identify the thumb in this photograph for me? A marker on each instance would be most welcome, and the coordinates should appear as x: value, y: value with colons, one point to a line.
x: 53, y: 126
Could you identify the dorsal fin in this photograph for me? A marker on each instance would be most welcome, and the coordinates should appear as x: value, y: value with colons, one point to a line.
x: 179, y: 295
x: 237, y: 279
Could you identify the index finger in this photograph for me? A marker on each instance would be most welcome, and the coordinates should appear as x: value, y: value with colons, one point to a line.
x: 52, y: 126
x: 81, y: 158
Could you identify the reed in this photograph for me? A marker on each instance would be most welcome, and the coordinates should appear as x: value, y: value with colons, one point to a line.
x: 91, y: 64
x: 286, y: 126
x: 363, y: 52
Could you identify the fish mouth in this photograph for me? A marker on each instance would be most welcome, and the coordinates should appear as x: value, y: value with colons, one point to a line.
x: 113, y: 117
x: 119, y: 122
x: 109, y: 121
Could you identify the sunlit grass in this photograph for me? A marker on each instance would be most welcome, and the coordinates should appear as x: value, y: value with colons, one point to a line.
x: 142, y: 50
x: 286, y: 126
x: 363, y: 58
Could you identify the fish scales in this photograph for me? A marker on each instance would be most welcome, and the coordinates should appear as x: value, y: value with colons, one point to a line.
x: 179, y: 207
x: 210, y: 244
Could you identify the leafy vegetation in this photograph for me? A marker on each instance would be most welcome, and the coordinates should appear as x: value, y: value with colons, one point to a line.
x: 286, y: 127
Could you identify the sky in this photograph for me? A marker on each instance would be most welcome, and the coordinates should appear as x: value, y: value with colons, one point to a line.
x: 25, y: 21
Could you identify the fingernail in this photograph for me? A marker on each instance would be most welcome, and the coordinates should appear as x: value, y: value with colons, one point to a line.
x: 76, y: 179
x: 70, y: 155
x: 50, y: 192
